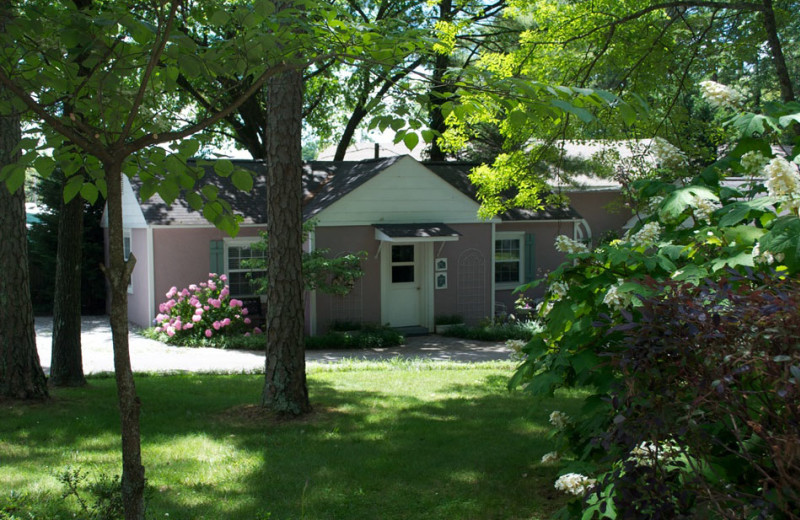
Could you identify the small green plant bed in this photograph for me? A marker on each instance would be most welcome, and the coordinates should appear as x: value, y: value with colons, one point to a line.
x: 369, y: 336
x: 390, y: 440
x: 493, y: 331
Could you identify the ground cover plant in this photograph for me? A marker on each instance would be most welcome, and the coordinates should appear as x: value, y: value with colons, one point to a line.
x: 390, y: 440
x: 495, y: 330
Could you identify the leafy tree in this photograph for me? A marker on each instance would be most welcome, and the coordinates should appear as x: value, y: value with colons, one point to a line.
x: 701, y: 229
x: 651, y: 54
x: 132, y: 64
x: 322, y: 273
x: 21, y: 375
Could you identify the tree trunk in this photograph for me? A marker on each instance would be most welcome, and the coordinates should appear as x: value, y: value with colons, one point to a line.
x: 21, y: 374
x: 285, y: 390
x: 776, y: 50
x: 439, y: 87
x: 66, y: 366
x: 118, y: 274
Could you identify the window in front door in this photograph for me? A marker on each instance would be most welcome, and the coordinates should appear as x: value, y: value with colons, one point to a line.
x: 402, y: 264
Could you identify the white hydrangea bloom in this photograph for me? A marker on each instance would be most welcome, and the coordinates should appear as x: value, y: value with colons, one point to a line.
x: 721, y: 96
x: 653, y: 203
x: 703, y: 208
x: 575, y: 483
x: 766, y: 257
x: 647, y: 236
x: 543, y: 308
x: 559, y: 419
x: 667, y: 154
x: 753, y: 162
x: 783, y: 181
x: 559, y: 289
x: 616, y: 299
x: 568, y: 245
x: 551, y: 457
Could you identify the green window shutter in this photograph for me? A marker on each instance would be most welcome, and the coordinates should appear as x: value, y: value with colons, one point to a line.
x: 530, y: 257
x: 216, y: 263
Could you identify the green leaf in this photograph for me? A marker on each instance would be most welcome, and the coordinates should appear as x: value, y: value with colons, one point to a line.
x: 169, y: 190
x: 787, y: 120
x: 72, y: 188
x: 89, y: 192
x: 583, y: 114
x: 744, y: 210
x: 209, y: 192
x: 744, y: 235
x: 411, y: 140
x: 223, y: 167
x: 679, y: 200
x: 194, y: 200
x: 242, y: 179
x: 220, y: 17
x: 44, y: 165
x: 784, y: 238
x: 753, y: 125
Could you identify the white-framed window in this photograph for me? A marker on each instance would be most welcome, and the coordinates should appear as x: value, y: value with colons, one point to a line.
x: 237, y: 252
x: 127, y: 245
x: 127, y: 240
x: 509, y: 269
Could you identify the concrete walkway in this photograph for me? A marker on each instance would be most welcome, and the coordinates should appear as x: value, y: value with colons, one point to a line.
x: 153, y: 356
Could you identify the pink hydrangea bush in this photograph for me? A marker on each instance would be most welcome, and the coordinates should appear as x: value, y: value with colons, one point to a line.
x: 203, y: 310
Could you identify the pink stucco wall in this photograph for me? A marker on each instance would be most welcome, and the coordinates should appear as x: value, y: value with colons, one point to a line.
x: 469, y: 272
x: 605, y: 211
x: 363, y: 303
x: 547, y: 258
x: 465, y: 294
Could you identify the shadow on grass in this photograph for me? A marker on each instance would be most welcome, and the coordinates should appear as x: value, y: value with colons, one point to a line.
x: 465, y: 448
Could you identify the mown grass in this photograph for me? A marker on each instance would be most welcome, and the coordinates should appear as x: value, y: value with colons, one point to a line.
x: 387, y: 440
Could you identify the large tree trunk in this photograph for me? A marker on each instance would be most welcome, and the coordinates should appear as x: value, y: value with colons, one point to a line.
x: 776, y: 50
x: 66, y: 366
x: 285, y: 390
x: 21, y: 374
x: 118, y: 274
x: 440, y: 88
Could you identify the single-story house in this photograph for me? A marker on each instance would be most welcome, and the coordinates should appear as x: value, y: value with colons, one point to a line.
x: 428, y: 252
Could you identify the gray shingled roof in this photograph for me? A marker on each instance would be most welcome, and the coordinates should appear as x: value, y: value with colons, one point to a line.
x: 324, y: 182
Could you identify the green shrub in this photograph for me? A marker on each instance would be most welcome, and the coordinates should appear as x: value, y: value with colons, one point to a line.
x: 370, y: 336
x: 495, y: 331
x: 449, y: 319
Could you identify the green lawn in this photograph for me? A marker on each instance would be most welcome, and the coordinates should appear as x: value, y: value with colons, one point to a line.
x: 391, y: 440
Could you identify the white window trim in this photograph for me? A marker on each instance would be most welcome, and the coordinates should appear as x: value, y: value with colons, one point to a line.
x: 237, y: 242
x: 127, y: 234
x: 510, y: 235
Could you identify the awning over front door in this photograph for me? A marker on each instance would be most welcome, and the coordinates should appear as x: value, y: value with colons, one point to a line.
x: 406, y: 233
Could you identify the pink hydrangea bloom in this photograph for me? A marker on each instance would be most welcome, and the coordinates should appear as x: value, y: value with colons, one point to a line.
x: 246, y: 334
x: 206, y: 307
x: 170, y: 331
x: 172, y: 291
x: 223, y: 277
x: 245, y: 311
x: 188, y: 326
x: 216, y: 325
x: 224, y: 292
x: 198, y: 311
x: 247, y: 321
x: 226, y: 322
x: 256, y: 331
x: 208, y: 333
x: 193, y: 287
x: 185, y: 293
x: 196, y: 318
x: 235, y: 302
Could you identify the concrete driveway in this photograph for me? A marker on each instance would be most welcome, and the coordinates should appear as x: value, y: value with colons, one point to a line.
x: 152, y: 356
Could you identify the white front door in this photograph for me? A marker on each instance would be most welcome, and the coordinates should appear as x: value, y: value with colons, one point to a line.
x: 405, y: 285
